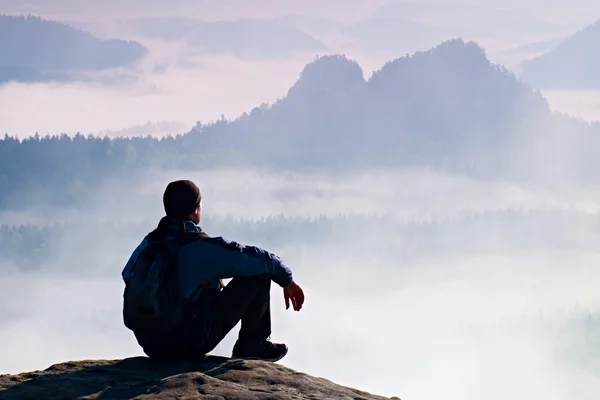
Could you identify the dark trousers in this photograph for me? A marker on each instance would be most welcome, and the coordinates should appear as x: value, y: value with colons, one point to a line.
x: 246, y: 299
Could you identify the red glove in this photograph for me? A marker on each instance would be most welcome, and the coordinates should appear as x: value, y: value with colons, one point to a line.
x: 294, y: 293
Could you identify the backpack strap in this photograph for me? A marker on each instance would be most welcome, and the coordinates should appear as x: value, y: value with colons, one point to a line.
x: 182, y: 237
x: 190, y: 237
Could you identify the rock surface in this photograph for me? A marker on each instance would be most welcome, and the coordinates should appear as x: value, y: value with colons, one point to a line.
x: 212, y: 378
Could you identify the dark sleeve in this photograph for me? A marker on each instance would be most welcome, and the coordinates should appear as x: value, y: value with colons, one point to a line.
x: 235, y: 259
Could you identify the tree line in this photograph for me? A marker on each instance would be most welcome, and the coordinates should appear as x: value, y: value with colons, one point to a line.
x: 32, y: 246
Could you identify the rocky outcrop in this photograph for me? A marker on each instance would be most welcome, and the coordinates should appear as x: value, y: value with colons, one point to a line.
x: 212, y: 378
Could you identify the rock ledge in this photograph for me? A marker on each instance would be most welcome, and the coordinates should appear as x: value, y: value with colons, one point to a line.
x: 140, y: 378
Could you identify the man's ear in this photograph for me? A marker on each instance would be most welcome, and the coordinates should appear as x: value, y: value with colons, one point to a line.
x: 199, y: 212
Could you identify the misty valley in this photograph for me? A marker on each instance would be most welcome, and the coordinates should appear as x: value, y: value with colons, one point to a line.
x: 505, y: 288
x: 442, y: 217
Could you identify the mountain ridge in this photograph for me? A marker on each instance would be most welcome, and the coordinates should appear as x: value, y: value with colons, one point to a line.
x: 438, y: 102
x: 572, y: 64
x: 49, y: 50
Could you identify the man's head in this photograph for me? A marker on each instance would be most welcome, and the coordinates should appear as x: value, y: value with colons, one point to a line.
x: 182, y: 200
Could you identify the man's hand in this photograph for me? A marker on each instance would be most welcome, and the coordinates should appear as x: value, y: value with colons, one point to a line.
x: 293, y: 292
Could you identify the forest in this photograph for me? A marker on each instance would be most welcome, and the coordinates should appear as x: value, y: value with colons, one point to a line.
x: 383, y: 237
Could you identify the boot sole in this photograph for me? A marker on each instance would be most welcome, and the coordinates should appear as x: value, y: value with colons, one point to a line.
x: 275, y: 359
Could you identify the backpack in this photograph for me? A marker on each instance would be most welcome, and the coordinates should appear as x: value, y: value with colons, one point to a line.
x: 152, y: 301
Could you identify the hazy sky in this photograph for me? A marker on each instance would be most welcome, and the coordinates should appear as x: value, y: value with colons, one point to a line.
x: 346, y: 9
x: 179, y: 83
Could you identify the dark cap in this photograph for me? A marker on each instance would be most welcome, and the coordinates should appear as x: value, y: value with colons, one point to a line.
x: 181, y: 198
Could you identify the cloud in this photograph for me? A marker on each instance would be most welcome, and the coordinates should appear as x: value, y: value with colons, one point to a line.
x: 462, y: 325
x: 221, y: 85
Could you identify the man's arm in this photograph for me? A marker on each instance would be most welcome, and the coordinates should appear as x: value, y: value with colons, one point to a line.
x: 225, y: 259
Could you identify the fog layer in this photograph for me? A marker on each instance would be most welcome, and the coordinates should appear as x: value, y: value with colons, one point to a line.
x: 494, y: 321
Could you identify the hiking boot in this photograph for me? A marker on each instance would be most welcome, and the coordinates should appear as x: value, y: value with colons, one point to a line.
x: 265, y: 350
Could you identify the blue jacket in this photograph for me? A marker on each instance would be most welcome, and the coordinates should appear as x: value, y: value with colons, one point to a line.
x: 203, y: 263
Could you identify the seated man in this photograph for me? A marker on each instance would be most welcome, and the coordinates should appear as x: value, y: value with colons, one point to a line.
x: 213, y: 309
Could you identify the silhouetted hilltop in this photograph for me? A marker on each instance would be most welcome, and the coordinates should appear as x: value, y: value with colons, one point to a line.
x: 34, y: 49
x: 573, y: 64
x: 240, y: 37
x: 213, y: 377
x: 422, y: 108
x: 328, y: 74
x: 453, y: 83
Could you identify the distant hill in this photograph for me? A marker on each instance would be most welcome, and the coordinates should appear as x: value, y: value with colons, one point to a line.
x: 427, y: 108
x: 154, y: 129
x: 448, y: 108
x: 34, y: 49
x: 451, y: 19
x: 239, y: 37
x: 572, y: 64
x: 310, y: 24
x: 535, y: 47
